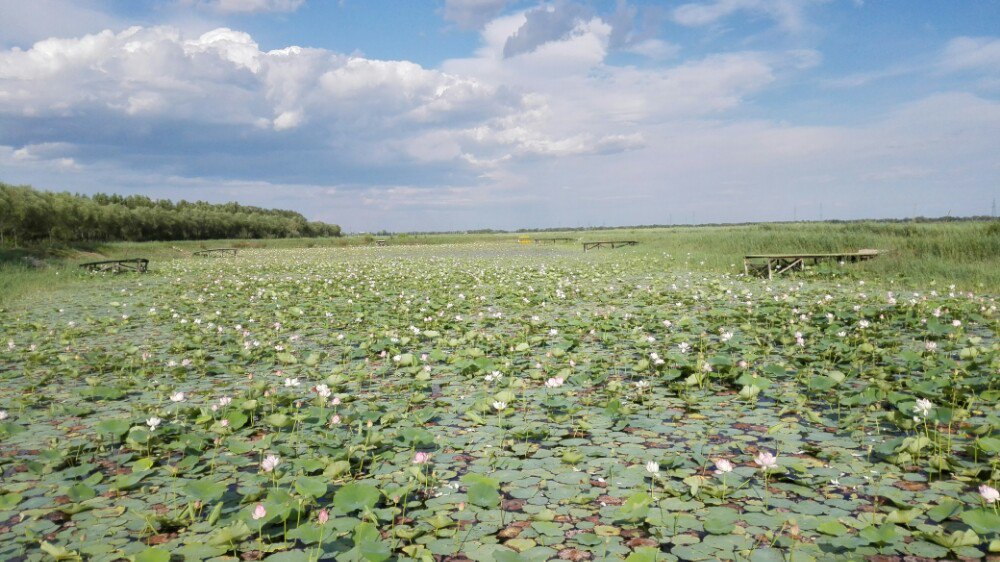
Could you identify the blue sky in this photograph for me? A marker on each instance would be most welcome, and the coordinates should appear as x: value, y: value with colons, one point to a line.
x: 461, y: 114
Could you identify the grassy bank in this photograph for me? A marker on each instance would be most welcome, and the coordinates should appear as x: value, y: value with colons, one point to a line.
x: 966, y: 254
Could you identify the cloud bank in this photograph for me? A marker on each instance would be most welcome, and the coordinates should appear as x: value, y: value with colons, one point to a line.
x: 562, y: 114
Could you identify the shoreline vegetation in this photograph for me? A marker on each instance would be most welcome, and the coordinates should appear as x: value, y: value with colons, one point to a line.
x: 964, y: 253
x: 31, y: 217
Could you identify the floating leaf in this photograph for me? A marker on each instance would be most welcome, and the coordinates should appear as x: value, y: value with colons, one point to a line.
x: 152, y: 555
x: 482, y: 491
x: 310, y: 486
x: 205, y: 490
x: 983, y: 520
x: 356, y: 496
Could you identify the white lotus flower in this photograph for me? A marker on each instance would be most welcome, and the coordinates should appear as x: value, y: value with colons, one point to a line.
x: 723, y: 466
x: 989, y: 493
x: 923, y: 407
x: 766, y: 460
x: 270, y: 463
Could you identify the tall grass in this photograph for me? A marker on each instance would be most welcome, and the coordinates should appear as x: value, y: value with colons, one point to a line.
x: 966, y: 254
x: 18, y: 281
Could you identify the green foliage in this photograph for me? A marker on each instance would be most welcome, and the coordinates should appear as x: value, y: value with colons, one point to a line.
x: 882, y: 418
x: 482, y: 490
x: 29, y: 216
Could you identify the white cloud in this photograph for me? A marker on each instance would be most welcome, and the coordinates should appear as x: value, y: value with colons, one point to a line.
x: 972, y: 54
x: 789, y: 14
x: 213, y: 104
x: 223, y: 77
x: 541, y: 125
x: 583, y: 92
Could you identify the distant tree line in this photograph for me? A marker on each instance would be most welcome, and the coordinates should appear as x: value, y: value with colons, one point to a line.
x: 947, y: 219
x: 28, y: 215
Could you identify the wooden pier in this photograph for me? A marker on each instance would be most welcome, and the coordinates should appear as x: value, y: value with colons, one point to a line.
x: 772, y: 264
x: 212, y: 252
x: 608, y: 244
x: 138, y: 265
x: 550, y: 240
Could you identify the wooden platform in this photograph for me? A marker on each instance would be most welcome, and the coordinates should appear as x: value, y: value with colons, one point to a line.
x: 137, y: 265
x: 381, y: 242
x: 211, y: 252
x: 608, y: 244
x: 771, y: 264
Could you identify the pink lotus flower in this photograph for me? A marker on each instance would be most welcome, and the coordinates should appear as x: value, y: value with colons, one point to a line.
x: 259, y: 512
x: 554, y: 382
x: 324, y: 516
x: 421, y: 458
x: 989, y: 493
x: 723, y: 466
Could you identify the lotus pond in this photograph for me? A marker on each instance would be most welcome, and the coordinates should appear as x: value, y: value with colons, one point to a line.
x: 489, y: 402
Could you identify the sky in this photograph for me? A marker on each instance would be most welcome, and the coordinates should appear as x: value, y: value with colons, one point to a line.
x: 464, y: 114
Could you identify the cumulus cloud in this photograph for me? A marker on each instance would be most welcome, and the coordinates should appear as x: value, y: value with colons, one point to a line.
x: 543, y: 108
x: 143, y: 79
x: 582, y: 91
x: 215, y: 104
x: 542, y: 25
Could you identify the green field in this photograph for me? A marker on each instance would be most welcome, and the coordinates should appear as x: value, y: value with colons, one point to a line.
x: 457, y: 397
x: 966, y: 254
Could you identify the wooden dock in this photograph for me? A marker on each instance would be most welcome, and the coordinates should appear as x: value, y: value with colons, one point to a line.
x: 137, y: 265
x: 212, y: 252
x: 772, y: 264
x: 608, y: 244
